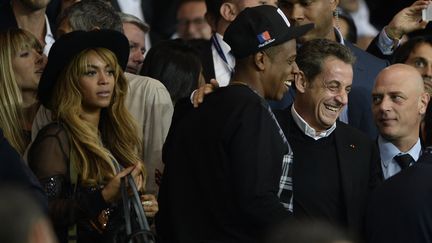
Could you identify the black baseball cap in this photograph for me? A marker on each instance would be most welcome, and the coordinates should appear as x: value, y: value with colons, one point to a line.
x: 259, y: 28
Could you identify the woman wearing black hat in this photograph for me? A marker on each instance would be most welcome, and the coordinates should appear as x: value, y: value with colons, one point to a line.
x: 79, y: 158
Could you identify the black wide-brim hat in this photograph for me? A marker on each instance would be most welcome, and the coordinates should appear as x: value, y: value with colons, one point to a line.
x: 70, y: 45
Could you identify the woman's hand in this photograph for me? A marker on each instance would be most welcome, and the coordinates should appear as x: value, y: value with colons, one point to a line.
x: 138, y: 176
x: 150, y: 205
x: 111, y: 192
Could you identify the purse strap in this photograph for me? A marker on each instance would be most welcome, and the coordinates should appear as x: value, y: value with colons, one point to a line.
x: 134, y: 202
x: 126, y: 206
x: 139, y: 210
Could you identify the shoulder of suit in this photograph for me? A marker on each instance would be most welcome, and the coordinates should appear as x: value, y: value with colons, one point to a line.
x: 352, y: 132
x: 364, y: 55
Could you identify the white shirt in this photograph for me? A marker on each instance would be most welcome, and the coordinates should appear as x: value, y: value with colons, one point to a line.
x: 388, y: 151
x: 385, y: 44
x: 223, y: 70
x: 49, y: 37
x: 308, y: 130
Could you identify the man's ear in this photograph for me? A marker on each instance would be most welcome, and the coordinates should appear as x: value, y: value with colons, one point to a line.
x: 228, y: 11
x: 260, y: 60
x: 301, y: 82
x: 423, y: 103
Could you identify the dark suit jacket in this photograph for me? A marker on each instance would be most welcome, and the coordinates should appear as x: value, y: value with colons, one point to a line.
x: 359, y: 168
x: 374, y: 50
x: 400, y: 209
x: 13, y: 171
x: 203, y: 48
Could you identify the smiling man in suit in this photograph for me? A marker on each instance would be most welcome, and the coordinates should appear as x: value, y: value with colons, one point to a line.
x: 321, y: 12
x: 334, y: 165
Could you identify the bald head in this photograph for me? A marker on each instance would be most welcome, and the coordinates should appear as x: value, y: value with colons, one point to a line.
x: 401, y: 74
x: 399, y: 102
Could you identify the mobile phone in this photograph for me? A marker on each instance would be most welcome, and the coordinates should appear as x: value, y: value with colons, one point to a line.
x: 427, y: 13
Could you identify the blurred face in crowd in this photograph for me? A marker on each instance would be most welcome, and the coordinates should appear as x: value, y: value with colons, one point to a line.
x: 399, y: 102
x: 282, y: 70
x: 421, y: 59
x: 137, y: 47
x: 236, y: 6
x: 326, y: 95
x: 191, y: 23
x: 319, y: 12
x: 97, y: 83
x: 28, y: 65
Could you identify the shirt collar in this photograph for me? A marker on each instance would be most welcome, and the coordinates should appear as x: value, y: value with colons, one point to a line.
x: 339, y: 37
x: 389, y: 150
x: 225, y: 47
x: 308, y: 130
x: 49, y: 37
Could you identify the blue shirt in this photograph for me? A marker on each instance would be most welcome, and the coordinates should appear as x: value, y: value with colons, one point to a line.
x: 388, y: 150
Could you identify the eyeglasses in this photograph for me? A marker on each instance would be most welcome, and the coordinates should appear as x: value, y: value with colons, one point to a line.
x: 196, y: 21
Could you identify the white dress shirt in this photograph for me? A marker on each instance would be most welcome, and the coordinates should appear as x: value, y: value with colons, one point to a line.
x: 223, y: 70
x: 49, y: 37
x: 308, y: 130
x: 388, y: 151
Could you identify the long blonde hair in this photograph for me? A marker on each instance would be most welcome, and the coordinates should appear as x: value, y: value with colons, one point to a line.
x: 11, y: 103
x: 118, y: 136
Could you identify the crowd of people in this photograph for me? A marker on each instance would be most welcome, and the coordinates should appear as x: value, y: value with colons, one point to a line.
x: 236, y: 120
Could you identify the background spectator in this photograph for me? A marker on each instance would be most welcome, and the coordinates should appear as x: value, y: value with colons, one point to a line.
x: 22, y: 63
x: 191, y: 22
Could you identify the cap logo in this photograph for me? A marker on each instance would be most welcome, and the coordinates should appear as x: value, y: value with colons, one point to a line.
x: 264, y: 39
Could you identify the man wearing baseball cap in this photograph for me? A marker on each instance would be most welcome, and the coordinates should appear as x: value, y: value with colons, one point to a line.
x: 223, y: 160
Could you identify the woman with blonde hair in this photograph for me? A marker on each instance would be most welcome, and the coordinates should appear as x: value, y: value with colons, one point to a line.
x: 22, y: 63
x: 92, y: 143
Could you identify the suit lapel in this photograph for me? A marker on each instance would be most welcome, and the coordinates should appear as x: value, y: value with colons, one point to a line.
x: 207, y: 62
x: 347, y: 154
